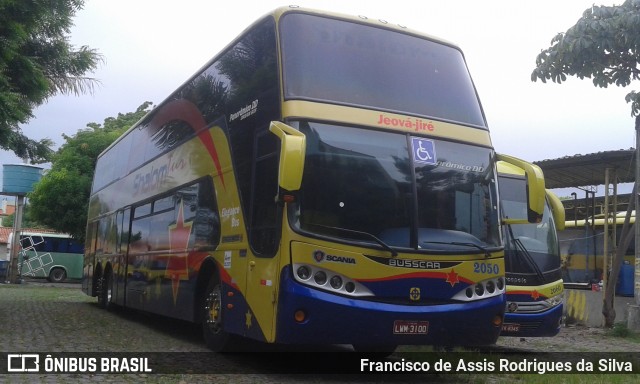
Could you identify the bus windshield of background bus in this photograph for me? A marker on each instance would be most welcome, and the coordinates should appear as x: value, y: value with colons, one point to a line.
x: 540, y: 240
x: 356, y: 64
x: 373, y: 186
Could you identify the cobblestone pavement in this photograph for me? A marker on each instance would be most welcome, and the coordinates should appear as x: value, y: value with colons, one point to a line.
x: 40, y: 317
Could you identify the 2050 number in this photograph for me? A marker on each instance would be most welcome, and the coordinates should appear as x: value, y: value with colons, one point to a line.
x: 486, y: 268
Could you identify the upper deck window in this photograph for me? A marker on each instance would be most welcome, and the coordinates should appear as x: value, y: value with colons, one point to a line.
x: 355, y: 64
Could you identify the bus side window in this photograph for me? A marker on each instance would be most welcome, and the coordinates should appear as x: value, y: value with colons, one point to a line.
x: 139, y: 235
x: 122, y: 223
x: 91, y: 241
x: 200, y: 208
x: 74, y: 246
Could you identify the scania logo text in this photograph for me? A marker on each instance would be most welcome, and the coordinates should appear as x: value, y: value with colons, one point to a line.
x: 320, y: 256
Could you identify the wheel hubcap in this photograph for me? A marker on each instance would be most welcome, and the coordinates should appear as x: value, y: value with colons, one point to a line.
x: 212, y: 309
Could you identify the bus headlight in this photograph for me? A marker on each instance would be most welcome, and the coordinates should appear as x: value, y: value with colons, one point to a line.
x: 303, y: 272
x: 327, y: 280
x: 490, y: 286
x: 336, y: 282
x: 554, y: 301
x: 481, y: 290
x: 320, y: 277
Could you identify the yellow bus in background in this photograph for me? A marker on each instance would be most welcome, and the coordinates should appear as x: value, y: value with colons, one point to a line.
x: 582, y: 250
x: 532, y: 258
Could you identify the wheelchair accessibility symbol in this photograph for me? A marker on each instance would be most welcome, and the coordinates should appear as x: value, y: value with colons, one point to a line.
x: 424, y: 150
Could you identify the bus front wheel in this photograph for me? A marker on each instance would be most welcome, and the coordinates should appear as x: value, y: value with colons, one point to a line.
x: 213, y: 331
x: 57, y: 275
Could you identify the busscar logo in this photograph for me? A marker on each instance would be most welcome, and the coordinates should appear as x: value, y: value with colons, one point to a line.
x: 414, y: 263
x: 23, y: 362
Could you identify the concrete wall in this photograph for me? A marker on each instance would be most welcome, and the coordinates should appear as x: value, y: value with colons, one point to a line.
x: 584, y: 307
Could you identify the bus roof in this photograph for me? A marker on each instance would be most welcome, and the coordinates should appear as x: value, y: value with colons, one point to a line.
x: 45, y: 234
x: 277, y: 14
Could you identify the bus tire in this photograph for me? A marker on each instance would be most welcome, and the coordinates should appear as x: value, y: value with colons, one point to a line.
x: 214, y: 335
x: 57, y: 275
x: 105, y: 290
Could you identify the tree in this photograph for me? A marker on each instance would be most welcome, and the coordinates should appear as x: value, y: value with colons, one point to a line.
x: 60, y: 199
x: 8, y: 221
x: 603, y: 45
x: 37, y: 62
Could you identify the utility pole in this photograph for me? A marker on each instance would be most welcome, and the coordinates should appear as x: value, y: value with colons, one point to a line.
x: 636, y: 288
x: 15, y: 241
x: 18, y: 180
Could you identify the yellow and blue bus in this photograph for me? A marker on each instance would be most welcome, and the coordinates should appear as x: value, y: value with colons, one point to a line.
x: 54, y: 256
x: 325, y: 179
x: 582, y: 248
x: 532, y: 258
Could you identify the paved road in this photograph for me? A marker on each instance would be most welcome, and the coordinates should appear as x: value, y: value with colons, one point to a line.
x: 40, y: 317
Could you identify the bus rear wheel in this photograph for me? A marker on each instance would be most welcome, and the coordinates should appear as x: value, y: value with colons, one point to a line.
x: 105, y: 289
x: 212, y: 326
x: 57, y: 275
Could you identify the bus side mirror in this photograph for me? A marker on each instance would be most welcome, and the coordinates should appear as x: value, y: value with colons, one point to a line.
x: 292, y: 151
x: 535, y: 186
x: 557, y: 210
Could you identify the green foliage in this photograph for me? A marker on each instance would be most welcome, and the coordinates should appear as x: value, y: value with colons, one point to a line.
x: 27, y: 221
x: 56, y: 200
x: 60, y: 199
x: 620, y: 330
x: 603, y: 45
x: 37, y: 62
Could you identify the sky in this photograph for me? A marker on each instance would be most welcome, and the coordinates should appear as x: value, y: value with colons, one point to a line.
x: 151, y: 47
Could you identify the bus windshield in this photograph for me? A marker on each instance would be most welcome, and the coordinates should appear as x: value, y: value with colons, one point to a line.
x: 529, y: 248
x: 397, y: 190
x: 360, y: 65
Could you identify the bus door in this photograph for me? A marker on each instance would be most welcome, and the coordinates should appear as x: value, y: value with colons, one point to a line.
x: 123, y: 221
x: 265, y: 214
x: 136, y: 257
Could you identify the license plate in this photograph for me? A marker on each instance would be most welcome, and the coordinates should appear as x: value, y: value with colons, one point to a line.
x: 507, y: 327
x: 405, y: 327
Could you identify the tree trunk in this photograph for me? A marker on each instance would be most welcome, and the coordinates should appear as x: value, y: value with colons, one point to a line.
x: 628, y: 234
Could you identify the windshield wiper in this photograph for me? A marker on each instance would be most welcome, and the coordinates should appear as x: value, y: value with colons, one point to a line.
x: 527, y: 256
x: 361, y: 234
x: 487, y: 254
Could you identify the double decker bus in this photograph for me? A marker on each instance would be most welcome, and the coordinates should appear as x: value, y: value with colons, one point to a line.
x: 325, y: 179
x: 532, y: 259
x: 54, y: 256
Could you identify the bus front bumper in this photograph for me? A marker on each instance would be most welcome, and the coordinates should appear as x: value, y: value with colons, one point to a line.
x: 543, y: 324
x: 335, y: 319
